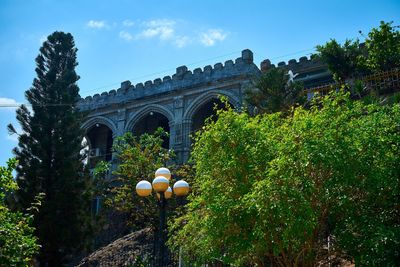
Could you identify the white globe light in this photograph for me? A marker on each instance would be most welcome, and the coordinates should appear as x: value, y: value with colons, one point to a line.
x: 167, y: 194
x: 160, y: 184
x: 143, y: 188
x: 181, y: 188
x: 163, y: 172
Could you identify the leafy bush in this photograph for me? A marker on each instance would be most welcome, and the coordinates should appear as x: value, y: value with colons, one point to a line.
x: 18, y: 245
x: 273, y: 188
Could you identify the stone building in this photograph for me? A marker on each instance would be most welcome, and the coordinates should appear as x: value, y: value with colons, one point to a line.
x: 180, y: 104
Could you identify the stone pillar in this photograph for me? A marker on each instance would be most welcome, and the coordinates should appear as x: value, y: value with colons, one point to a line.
x: 186, y: 132
x: 172, y: 134
x: 265, y: 65
x: 247, y: 56
x: 114, y: 161
x: 176, y: 138
x: 121, y: 121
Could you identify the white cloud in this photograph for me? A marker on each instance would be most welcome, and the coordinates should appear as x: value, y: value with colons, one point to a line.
x: 125, y: 36
x: 97, y: 24
x: 174, y: 32
x: 182, y: 41
x: 210, y: 37
x: 128, y: 23
x: 8, y: 104
x: 161, y: 28
x: 160, y: 23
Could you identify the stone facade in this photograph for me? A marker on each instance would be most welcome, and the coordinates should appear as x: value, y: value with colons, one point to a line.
x: 180, y: 103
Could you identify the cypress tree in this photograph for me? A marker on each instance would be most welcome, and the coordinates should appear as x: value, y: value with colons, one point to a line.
x: 49, y: 155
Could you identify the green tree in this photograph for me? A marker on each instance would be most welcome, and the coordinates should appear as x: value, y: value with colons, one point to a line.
x: 139, y: 158
x: 48, y: 152
x: 18, y: 245
x: 344, y: 61
x: 383, y: 47
x: 230, y: 155
x: 381, y: 52
x: 274, y: 92
x: 270, y: 189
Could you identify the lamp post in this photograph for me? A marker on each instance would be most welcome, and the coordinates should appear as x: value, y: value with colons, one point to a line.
x: 163, y: 191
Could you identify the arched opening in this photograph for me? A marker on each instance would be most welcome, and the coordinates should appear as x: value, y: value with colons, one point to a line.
x: 100, y: 139
x: 150, y: 123
x: 204, y: 112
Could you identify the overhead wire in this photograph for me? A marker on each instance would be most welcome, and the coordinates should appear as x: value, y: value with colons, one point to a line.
x: 195, y: 63
x: 161, y: 72
x: 16, y: 105
x: 204, y: 60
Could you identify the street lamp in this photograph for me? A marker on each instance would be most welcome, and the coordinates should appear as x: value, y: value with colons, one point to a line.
x: 161, y: 186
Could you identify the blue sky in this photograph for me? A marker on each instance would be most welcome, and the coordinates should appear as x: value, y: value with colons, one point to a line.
x: 141, y: 40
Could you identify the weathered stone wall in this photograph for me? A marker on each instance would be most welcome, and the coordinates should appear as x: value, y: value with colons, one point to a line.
x: 179, y: 97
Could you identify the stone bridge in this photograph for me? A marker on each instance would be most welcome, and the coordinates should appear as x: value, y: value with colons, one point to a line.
x: 179, y: 104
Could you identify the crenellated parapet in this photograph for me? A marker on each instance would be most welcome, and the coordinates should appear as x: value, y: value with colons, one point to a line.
x: 181, y: 80
x: 303, y: 64
x: 310, y: 71
x: 180, y: 103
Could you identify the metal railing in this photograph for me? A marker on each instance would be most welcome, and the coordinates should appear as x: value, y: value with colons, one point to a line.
x: 383, y: 82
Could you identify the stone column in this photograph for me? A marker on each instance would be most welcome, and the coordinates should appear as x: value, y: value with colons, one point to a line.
x: 113, y: 162
x: 172, y: 134
x: 176, y: 138
x: 186, y: 132
x: 121, y: 121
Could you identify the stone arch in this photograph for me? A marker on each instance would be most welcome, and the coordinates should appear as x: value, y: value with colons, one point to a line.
x: 205, y: 98
x: 148, y: 119
x: 99, y: 120
x: 99, y: 133
x: 140, y: 114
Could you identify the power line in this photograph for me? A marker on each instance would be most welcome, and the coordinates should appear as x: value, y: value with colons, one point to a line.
x: 17, y: 105
x: 147, y: 75
x: 295, y: 53
x: 160, y: 72
x: 194, y: 63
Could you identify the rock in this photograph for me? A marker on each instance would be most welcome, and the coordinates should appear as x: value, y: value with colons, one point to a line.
x: 124, y: 251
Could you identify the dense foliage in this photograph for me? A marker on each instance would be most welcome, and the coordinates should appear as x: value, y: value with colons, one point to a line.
x: 18, y: 245
x: 383, y: 48
x: 48, y: 152
x: 381, y: 52
x: 344, y: 61
x: 272, y: 189
x: 274, y: 92
x: 139, y: 158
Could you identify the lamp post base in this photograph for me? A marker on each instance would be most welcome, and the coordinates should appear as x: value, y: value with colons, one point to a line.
x: 162, y: 237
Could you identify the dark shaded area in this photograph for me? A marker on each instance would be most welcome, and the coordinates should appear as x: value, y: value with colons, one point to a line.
x: 100, y: 139
x: 150, y: 123
x: 205, y: 111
